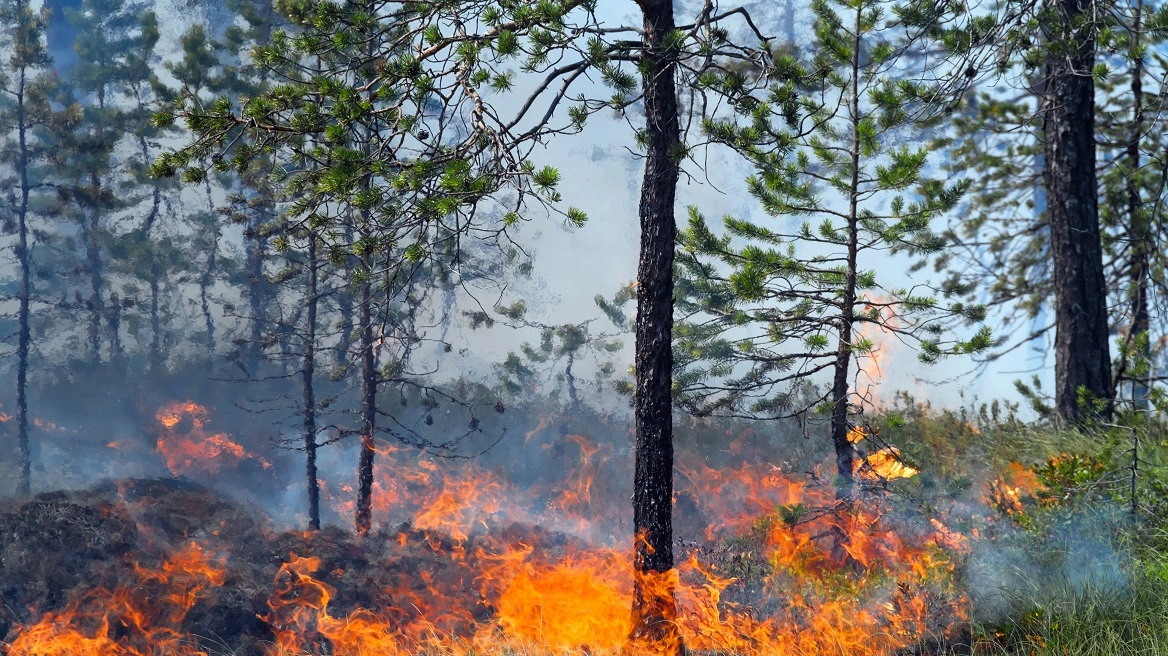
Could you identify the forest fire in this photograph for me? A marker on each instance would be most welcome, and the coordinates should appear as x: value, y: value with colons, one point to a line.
x: 189, y: 449
x: 784, y: 568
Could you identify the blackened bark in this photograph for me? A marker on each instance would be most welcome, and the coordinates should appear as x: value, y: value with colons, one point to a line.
x: 155, y: 321
x: 207, y: 279
x: 346, y: 310
x: 24, y: 334
x: 845, y: 452
x: 1082, y: 355
x: 654, y: 607
x: 93, y: 250
x: 1140, y: 230
x: 157, y: 269
x: 205, y: 282
x: 115, y: 326
x: 368, y: 411
x: 257, y: 294
x: 93, y: 254
x: 308, y: 374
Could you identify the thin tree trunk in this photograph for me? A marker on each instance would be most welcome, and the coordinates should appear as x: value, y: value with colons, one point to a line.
x: 654, y: 607
x: 1082, y: 354
x: 24, y: 334
x: 1139, y: 225
x: 206, y: 280
x: 257, y: 295
x: 155, y: 322
x: 205, y: 303
x: 93, y: 252
x: 114, y: 318
x: 96, y: 304
x: 308, y: 373
x: 368, y: 411
x: 156, y: 271
x: 258, y: 292
x: 845, y: 452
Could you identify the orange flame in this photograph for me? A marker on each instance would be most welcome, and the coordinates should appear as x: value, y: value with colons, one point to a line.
x: 786, y: 568
x: 138, y: 620
x: 193, y: 451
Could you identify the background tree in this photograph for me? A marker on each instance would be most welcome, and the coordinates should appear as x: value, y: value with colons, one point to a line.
x: 25, y: 88
x: 1002, y: 244
x: 114, y: 45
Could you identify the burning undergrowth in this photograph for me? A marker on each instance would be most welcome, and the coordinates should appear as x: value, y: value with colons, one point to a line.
x: 470, y: 558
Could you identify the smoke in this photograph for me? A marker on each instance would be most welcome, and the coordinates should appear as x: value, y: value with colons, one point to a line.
x: 1016, y: 570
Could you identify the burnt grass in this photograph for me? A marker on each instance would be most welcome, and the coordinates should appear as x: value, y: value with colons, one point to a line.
x: 59, y: 545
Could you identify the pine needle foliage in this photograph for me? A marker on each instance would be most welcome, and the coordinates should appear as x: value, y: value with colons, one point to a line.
x: 773, y: 303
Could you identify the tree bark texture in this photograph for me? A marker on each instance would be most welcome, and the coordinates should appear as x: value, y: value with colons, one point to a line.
x: 24, y: 334
x: 845, y: 452
x: 1082, y: 354
x: 368, y: 412
x: 654, y: 607
x: 1140, y: 229
x: 257, y: 294
x: 308, y: 375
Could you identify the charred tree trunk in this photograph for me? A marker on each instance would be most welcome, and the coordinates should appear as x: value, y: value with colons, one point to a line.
x: 845, y: 452
x: 1082, y: 355
x: 114, y: 318
x: 24, y: 334
x: 654, y: 607
x: 257, y: 295
x: 155, y: 321
x: 207, y: 279
x: 157, y: 271
x: 205, y: 304
x: 1140, y: 228
x: 308, y: 374
x: 368, y: 411
x: 93, y: 255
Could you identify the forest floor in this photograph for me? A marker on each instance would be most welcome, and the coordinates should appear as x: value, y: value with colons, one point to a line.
x: 989, y: 536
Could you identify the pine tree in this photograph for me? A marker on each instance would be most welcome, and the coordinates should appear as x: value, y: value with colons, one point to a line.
x: 25, y: 88
x: 1004, y: 241
x: 771, y: 306
x: 444, y: 146
x: 1082, y: 350
x: 1131, y: 128
x: 114, y: 45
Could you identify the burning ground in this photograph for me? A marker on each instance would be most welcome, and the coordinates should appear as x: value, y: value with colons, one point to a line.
x: 470, y: 558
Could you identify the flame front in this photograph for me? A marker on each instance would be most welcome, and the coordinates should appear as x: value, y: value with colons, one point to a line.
x: 783, y: 567
x: 141, y: 618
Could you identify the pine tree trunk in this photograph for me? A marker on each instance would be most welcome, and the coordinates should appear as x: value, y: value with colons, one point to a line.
x: 1082, y: 354
x: 205, y: 282
x: 1140, y: 230
x: 654, y: 606
x: 96, y: 304
x: 155, y: 322
x: 368, y: 411
x: 157, y: 270
x: 114, y: 317
x: 345, y: 308
x: 24, y: 334
x: 258, y: 292
x: 256, y: 296
x: 308, y: 373
x: 845, y: 452
x: 93, y: 252
x: 207, y: 279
